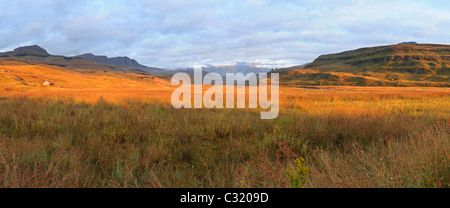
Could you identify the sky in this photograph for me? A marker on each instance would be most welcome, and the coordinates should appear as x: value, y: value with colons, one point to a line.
x: 184, y: 33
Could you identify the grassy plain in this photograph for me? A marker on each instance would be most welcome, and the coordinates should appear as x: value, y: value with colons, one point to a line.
x: 128, y: 137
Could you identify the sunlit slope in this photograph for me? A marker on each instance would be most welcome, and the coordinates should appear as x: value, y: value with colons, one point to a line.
x: 394, y: 65
x: 16, y: 75
x: 418, y: 59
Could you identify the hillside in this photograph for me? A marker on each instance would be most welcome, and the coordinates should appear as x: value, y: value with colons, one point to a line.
x: 19, y: 75
x: 393, y: 65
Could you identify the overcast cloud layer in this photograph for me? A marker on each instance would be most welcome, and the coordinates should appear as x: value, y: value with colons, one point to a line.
x: 176, y: 33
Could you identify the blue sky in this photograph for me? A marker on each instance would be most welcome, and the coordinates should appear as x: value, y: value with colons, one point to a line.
x: 175, y: 33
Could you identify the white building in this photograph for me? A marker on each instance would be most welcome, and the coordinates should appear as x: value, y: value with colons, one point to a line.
x: 47, y: 83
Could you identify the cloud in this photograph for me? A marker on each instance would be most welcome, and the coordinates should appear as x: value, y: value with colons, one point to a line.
x: 175, y: 33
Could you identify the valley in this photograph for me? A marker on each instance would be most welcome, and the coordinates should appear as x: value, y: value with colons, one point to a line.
x: 97, y: 126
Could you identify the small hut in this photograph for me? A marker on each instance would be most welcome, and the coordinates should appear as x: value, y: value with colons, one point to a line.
x: 47, y: 83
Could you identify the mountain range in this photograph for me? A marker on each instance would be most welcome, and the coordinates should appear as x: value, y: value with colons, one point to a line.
x: 88, y: 61
x: 36, y: 53
x: 123, y: 63
x: 405, y: 64
x: 243, y: 67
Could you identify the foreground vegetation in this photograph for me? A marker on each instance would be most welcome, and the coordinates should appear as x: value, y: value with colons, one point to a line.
x: 364, y: 137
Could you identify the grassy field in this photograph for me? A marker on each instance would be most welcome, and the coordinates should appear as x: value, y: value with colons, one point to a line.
x: 128, y: 137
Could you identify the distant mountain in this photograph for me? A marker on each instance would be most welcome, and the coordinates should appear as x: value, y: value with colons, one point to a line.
x: 119, y: 62
x: 406, y: 64
x: 408, y: 43
x: 242, y: 67
x: 37, y: 54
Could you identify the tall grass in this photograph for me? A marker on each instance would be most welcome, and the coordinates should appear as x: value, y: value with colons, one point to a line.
x: 348, y: 139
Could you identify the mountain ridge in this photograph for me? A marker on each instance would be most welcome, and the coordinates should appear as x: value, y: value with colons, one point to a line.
x: 35, y: 53
x: 122, y: 61
x: 391, y: 65
x: 392, y: 56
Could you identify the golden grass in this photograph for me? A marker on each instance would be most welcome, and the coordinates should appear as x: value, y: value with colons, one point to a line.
x: 349, y: 136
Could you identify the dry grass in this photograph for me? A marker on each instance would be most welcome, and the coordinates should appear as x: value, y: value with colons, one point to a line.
x: 349, y: 136
x: 420, y: 161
